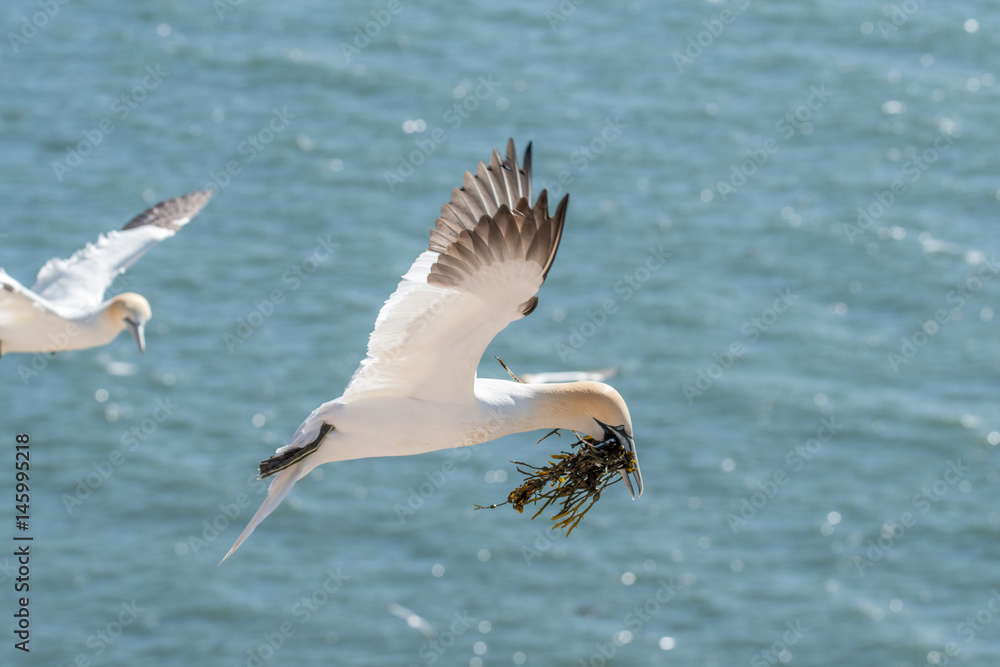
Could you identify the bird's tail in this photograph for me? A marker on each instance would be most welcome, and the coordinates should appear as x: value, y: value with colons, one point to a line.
x: 280, y: 486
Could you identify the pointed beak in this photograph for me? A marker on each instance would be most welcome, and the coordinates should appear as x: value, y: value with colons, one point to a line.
x: 625, y: 440
x: 138, y: 333
x: 636, y: 475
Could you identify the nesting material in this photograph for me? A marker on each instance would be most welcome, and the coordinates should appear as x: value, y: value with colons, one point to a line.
x: 574, y: 480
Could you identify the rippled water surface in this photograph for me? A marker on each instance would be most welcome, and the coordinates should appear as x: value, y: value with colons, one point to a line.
x: 781, y: 235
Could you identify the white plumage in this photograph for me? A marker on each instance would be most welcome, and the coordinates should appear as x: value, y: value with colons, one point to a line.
x: 417, y: 389
x: 65, y: 309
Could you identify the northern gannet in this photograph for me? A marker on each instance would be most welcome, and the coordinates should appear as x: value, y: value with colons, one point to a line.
x: 417, y: 389
x: 65, y: 309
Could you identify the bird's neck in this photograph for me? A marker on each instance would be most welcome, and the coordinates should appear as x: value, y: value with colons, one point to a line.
x: 91, y: 330
x: 510, y: 407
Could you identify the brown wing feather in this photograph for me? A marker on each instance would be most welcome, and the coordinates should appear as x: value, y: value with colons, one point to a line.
x: 522, y: 234
x: 167, y: 213
x: 482, y: 194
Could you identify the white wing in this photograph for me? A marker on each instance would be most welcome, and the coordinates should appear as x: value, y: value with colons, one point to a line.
x: 19, y: 304
x: 76, y: 286
x: 489, y: 253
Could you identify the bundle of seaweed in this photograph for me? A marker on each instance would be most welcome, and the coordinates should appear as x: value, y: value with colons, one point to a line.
x: 574, y: 480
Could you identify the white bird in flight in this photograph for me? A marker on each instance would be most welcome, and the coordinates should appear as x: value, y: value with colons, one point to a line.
x: 417, y: 389
x: 65, y: 309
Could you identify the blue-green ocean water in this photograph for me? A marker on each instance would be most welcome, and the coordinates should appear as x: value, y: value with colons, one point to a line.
x: 814, y: 392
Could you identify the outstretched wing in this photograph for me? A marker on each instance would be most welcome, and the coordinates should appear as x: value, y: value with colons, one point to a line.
x: 489, y: 252
x: 19, y: 305
x: 77, y: 285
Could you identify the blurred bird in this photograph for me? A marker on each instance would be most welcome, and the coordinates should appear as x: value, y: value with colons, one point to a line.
x: 569, y: 376
x: 417, y: 389
x: 65, y: 309
x: 413, y: 620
